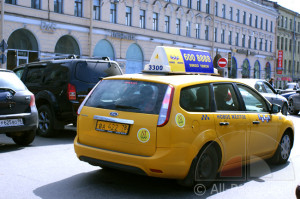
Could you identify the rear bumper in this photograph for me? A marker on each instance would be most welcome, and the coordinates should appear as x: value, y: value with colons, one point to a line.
x: 30, y: 121
x: 164, y: 163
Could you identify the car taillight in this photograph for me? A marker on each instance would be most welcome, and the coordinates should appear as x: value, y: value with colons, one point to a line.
x: 165, y: 109
x: 32, y: 101
x: 86, y: 98
x: 71, y: 92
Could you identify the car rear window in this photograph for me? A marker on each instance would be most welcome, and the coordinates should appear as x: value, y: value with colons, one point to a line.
x: 128, y: 95
x: 11, y: 80
x: 91, y: 72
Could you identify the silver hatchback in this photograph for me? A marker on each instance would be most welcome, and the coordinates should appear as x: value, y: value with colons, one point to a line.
x: 268, y: 92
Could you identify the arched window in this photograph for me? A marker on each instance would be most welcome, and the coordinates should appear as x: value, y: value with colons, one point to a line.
x: 67, y: 45
x: 246, y: 69
x: 256, y: 74
x: 104, y: 49
x: 268, y: 70
x: 233, y: 69
x: 134, y: 59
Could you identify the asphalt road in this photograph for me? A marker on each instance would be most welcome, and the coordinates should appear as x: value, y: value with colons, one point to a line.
x: 50, y: 169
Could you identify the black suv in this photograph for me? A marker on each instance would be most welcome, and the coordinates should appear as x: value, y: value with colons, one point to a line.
x: 60, y: 85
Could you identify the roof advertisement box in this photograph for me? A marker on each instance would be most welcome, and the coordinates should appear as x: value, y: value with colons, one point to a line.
x: 180, y: 60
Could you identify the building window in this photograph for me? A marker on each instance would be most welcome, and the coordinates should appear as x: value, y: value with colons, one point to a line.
x: 291, y: 24
x: 255, y: 43
x: 207, y: 7
x: 223, y: 36
x: 167, y: 24
x: 271, y: 46
x: 284, y: 69
x: 290, y: 66
x: 188, y: 29
x: 243, y: 40
x: 216, y: 34
x: 267, y: 24
x: 282, y: 21
x: 249, y: 42
x: 230, y: 38
x: 113, y: 13
x: 178, y: 26
x: 36, y: 4
x: 278, y: 42
x: 299, y: 47
x: 285, y: 22
x: 197, y: 30
x: 128, y: 16
x: 260, y: 44
x: 189, y: 3
x: 299, y: 27
x: 216, y: 8
x: 237, y: 39
x: 142, y: 19
x: 179, y: 2
x: 14, y: 2
x: 155, y: 21
x: 256, y: 21
x: 96, y: 10
x: 266, y: 46
x: 58, y: 6
x: 290, y: 46
x: 238, y: 15
x: 199, y: 5
x: 271, y: 26
x: 224, y: 11
x: 244, y: 17
x: 286, y: 42
x: 231, y: 13
x: 282, y: 40
x: 250, y: 19
x: 206, y: 33
x: 261, y: 23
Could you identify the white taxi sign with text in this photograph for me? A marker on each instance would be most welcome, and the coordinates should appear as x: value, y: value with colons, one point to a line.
x: 171, y: 59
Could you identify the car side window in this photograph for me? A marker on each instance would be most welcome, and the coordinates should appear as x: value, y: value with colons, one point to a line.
x: 34, y: 75
x: 55, y: 75
x: 19, y: 72
x: 225, y: 97
x: 195, y: 98
x: 260, y: 87
x: 253, y: 101
x: 268, y: 88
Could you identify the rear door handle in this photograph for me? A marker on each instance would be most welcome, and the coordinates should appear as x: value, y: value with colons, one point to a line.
x: 224, y: 123
x: 256, y: 122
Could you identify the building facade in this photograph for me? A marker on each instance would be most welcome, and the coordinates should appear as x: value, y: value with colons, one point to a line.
x: 288, y: 47
x: 128, y: 31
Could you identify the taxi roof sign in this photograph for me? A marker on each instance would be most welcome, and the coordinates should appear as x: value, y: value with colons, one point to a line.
x: 179, y: 60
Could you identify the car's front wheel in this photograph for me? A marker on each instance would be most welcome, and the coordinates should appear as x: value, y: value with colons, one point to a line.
x: 292, y: 109
x: 25, y: 138
x: 46, y: 122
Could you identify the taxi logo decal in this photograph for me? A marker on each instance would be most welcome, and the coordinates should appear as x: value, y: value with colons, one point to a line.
x: 174, y: 57
x: 180, y: 120
x: 205, y: 117
x: 143, y: 135
x: 263, y: 118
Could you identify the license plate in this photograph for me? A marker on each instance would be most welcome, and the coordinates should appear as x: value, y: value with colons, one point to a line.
x: 11, y: 122
x: 112, y: 127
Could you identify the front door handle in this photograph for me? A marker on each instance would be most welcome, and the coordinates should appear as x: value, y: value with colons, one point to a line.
x: 256, y: 122
x: 224, y: 123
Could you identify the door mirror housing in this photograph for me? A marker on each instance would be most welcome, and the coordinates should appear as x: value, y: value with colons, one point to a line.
x: 275, y: 108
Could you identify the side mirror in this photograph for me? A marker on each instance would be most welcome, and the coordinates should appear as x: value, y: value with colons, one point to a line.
x: 275, y: 108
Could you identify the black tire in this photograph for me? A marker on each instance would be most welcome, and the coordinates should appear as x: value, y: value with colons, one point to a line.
x: 284, y: 109
x: 46, y: 122
x: 292, y: 109
x: 204, y: 168
x: 283, y: 150
x: 25, y: 138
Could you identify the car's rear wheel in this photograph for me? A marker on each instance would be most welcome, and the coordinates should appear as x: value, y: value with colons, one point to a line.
x: 292, y: 109
x: 284, y: 109
x: 25, y: 138
x: 46, y: 122
x: 204, y: 168
x: 283, y: 151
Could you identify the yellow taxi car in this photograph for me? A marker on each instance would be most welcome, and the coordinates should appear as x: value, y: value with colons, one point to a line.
x: 169, y: 124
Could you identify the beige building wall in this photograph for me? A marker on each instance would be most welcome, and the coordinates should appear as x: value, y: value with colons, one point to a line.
x: 22, y: 16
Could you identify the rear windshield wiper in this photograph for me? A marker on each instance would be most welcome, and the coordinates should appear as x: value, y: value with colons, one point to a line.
x: 126, y: 107
x: 8, y: 89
